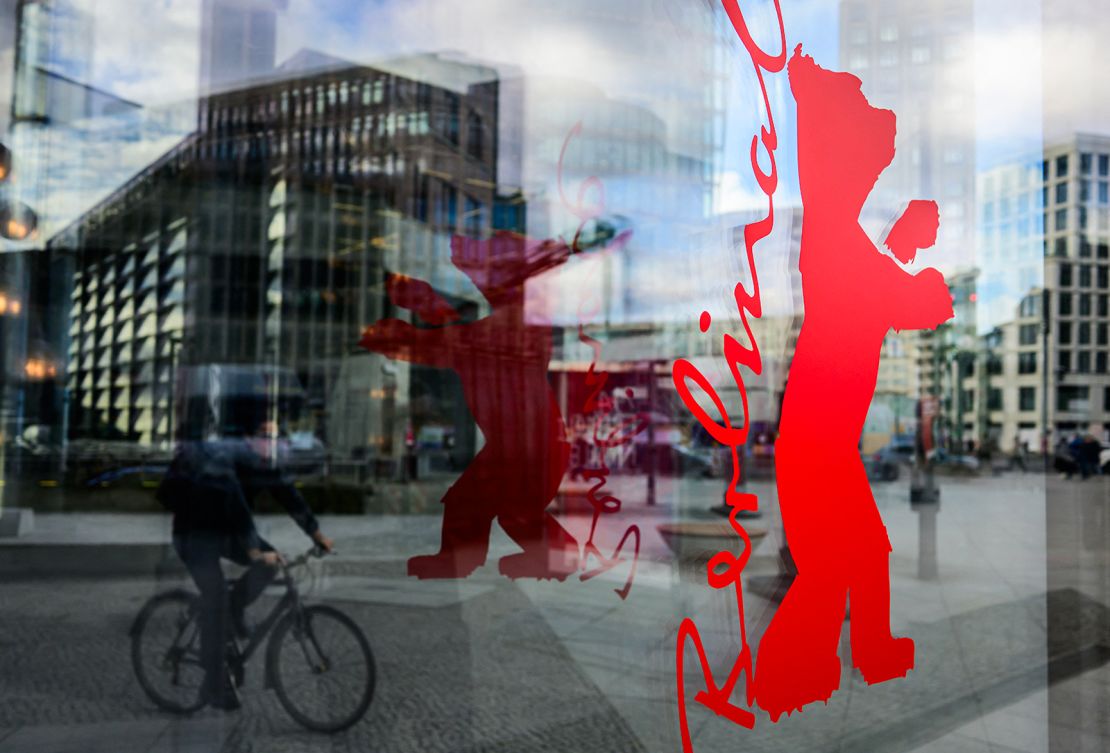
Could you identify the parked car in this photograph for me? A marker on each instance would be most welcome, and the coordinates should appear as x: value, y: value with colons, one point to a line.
x: 942, y: 459
x: 887, y: 462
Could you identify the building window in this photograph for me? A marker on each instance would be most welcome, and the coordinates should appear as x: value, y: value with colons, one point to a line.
x: 1084, y: 163
x: 1027, y: 335
x: 994, y: 399
x: 1027, y: 398
x: 1062, y: 193
x: 1027, y: 363
x: 1065, y: 304
x: 474, y: 135
x: 1061, y: 165
x: 1072, y: 398
x: 1102, y: 334
x: 1084, y: 333
x: 1061, y: 219
x: 1103, y: 275
x: 1100, y: 362
x: 1104, y: 164
x: 1084, y: 304
x: 1103, y: 192
x: 1063, y: 333
x: 1102, y: 305
x: 1084, y: 275
x: 967, y: 399
x: 1060, y: 248
x: 1083, y: 365
x: 1065, y: 275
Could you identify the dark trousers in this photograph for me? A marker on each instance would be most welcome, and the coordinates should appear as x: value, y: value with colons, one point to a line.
x: 201, y: 551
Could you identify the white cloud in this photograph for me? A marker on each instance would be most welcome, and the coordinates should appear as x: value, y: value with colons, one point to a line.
x: 145, y: 50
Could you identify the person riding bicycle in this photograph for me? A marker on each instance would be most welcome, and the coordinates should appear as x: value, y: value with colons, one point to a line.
x: 210, y: 487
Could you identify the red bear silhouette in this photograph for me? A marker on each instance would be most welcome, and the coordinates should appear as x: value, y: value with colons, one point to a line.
x: 502, y: 362
x: 853, y: 296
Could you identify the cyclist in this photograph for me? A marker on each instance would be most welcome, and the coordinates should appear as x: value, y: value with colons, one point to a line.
x: 210, y: 487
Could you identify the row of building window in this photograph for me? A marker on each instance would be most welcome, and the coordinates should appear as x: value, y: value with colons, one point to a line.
x: 1071, y: 398
x: 1086, y: 249
x: 1088, y: 276
x: 1087, y: 162
x: 1084, y: 309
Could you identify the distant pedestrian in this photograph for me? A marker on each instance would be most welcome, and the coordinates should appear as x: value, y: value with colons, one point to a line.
x: 1080, y: 452
x: 1063, y: 459
x: 1021, y: 455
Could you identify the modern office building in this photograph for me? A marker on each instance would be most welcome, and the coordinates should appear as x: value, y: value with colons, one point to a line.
x: 914, y: 58
x: 1071, y: 185
x: 265, y: 237
x: 238, y: 42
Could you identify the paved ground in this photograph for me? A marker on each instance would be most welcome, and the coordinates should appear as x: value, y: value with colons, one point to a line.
x: 491, y: 665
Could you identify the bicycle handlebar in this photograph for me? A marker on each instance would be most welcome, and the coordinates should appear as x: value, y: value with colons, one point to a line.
x: 315, y: 552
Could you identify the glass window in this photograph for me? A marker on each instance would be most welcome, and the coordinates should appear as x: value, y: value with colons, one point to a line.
x: 423, y: 273
x: 1027, y: 363
x: 1027, y: 399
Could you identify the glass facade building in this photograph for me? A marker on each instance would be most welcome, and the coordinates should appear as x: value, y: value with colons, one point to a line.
x: 518, y: 366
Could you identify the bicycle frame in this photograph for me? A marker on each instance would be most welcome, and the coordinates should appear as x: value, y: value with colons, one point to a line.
x: 290, y: 601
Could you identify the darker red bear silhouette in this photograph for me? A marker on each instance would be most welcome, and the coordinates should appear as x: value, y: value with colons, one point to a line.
x: 853, y: 295
x: 502, y: 362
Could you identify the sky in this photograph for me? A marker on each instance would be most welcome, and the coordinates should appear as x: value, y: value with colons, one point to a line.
x: 627, y: 53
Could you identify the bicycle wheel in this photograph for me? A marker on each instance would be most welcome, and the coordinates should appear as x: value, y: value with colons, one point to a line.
x: 320, y: 664
x: 165, y: 652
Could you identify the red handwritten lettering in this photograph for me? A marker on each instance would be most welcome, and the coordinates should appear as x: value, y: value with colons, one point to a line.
x: 601, y: 501
x: 717, y: 698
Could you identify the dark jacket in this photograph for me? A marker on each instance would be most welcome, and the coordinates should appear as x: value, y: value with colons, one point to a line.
x: 211, y: 486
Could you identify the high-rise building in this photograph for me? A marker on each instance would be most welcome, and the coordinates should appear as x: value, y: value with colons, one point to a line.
x: 265, y: 237
x: 1061, y: 203
x: 914, y: 57
x: 238, y: 42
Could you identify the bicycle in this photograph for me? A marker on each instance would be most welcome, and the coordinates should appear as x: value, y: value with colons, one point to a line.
x: 301, y: 651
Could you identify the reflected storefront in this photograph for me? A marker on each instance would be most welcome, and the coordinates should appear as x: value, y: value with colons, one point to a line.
x: 554, y: 377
